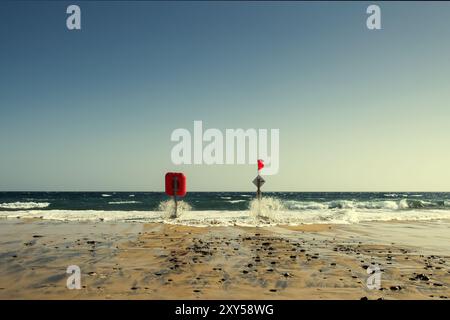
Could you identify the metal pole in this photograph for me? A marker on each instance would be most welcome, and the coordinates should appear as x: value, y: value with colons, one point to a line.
x: 258, y: 191
x: 175, y: 189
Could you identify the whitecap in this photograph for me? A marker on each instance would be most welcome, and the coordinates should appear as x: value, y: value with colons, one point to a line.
x: 24, y: 205
x: 123, y: 202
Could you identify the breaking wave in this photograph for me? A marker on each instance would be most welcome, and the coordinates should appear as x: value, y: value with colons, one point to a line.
x: 403, y: 204
x: 267, y: 208
x: 267, y: 215
x: 24, y: 205
x: 168, y: 208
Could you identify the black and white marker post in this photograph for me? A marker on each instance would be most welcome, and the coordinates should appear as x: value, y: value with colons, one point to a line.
x: 258, y: 182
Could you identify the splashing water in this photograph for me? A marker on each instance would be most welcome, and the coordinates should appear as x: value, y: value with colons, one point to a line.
x: 267, y: 208
x: 168, y: 207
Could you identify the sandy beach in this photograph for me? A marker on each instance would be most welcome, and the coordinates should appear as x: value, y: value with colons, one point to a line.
x: 164, y: 261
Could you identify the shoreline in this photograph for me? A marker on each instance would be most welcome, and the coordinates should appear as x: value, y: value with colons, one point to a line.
x: 167, y: 261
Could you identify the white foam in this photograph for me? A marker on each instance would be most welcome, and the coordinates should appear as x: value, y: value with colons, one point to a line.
x: 241, y: 218
x: 123, y: 202
x: 237, y: 201
x: 83, y: 215
x: 305, y: 205
x: 106, y: 195
x: 392, y: 195
x: 24, y: 205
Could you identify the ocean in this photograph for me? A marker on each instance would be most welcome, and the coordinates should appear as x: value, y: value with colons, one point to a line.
x: 228, y: 208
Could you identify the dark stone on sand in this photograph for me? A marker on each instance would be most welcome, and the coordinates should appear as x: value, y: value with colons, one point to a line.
x: 249, y: 265
x: 134, y: 288
x: 293, y: 257
x: 244, y: 271
x: 37, y: 236
x: 333, y: 264
x: 395, y: 288
x: 437, y: 284
x: 269, y: 270
x: 364, y: 298
x: 365, y: 266
x: 287, y: 275
x: 420, y: 277
x: 196, y: 290
x: 273, y: 290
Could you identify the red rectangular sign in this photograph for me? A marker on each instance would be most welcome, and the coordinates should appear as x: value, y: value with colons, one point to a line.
x: 175, y: 181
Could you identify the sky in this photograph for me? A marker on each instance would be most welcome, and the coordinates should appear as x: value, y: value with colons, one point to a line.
x: 93, y: 109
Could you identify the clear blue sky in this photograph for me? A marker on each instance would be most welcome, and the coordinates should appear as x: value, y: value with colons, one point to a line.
x: 357, y: 110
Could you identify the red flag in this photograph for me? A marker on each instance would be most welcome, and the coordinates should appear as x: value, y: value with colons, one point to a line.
x: 260, y: 164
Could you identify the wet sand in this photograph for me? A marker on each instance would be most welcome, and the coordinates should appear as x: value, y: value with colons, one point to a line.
x: 163, y: 261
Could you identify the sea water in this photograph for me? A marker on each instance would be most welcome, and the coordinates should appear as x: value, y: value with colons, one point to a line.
x: 228, y: 208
